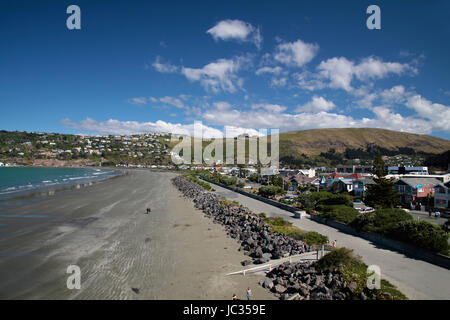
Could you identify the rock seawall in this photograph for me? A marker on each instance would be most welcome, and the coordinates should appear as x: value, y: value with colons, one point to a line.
x: 242, y: 224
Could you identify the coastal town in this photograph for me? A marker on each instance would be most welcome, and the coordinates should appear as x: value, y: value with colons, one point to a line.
x: 418, y: 189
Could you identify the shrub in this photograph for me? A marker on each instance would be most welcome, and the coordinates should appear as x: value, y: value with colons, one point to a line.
x: 353, y: 269
x: 338, y: 258
x: 270, y: 191
x: 328, y: 198
x: 381, y: 221
x: 203, y: 184
x: 339, y: 213
x: 312, y: 238
x: 423, y: 234
x: 278, y: 222
x: 280, y: 225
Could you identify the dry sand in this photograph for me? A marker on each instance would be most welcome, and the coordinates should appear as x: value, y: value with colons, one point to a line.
x: 172, y: 253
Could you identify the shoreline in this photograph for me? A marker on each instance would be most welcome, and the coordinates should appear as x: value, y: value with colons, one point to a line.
x: 51, y: 190
x: 105, y: 231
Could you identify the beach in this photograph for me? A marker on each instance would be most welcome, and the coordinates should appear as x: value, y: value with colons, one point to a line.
x: 174, y: 252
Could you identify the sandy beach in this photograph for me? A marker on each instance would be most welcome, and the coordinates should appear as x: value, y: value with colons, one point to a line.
x: 172, y: 253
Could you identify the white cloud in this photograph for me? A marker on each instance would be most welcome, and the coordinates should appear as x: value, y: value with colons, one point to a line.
x: 269, y: 107
x: 112, y: 126
x: 396, y: 94
x: 438, y: 114
x: 278, y: 82
x: 172, y: 101
x: 236, y: 30
x: 317, y: 104
x: 254, y: 118
x: 340, y: 71
x: 308, y: 80
x: 218, y: 75
x: 372, y: 68
x: 138, y: 101
x: 273, y: 70
x: 164, y: 67
x: 296, y: 53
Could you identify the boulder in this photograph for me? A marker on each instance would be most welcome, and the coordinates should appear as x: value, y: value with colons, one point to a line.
x: 279, y: 289
x: 246, y: 262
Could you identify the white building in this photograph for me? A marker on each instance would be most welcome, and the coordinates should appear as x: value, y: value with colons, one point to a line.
x: 310, y: 173
x: 408, y: 170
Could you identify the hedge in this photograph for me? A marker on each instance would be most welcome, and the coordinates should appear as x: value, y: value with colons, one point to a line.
x: 423, y: 234
x: 341, y: 213
x: 381, y: 221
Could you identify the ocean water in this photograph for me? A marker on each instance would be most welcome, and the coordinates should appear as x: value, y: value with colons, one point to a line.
x: 19, y: 181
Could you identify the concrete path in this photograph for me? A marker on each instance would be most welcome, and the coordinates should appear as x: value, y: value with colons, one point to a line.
x: 415, y: 278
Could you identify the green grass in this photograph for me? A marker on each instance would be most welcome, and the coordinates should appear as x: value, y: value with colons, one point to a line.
x: 202, y: 184
x: 279, y: 225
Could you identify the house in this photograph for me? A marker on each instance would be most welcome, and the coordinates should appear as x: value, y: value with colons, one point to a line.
x: 355, y: 176
x: 310, y: 173
x: 342, y: 185
x: 360, y: 186
x: 442, y: 195
x: 266, y: 173
x: 293, y: 182
x: 413, y: 190
x: 326, y: 181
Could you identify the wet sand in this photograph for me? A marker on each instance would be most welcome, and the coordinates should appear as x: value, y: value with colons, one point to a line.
x: 172, y: 253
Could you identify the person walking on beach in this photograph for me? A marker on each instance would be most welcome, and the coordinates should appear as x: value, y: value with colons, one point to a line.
x: 249, y: 294
x: 149, y: 210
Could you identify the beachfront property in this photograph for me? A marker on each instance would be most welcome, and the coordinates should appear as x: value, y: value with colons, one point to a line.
x: 415, y: 190
x: 442, y: 195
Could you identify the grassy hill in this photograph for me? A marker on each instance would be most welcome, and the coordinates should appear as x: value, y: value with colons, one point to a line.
x: 313, y: 142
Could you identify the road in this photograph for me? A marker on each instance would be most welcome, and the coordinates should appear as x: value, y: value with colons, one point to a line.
x: 417, y: 279
x: 421, y: 215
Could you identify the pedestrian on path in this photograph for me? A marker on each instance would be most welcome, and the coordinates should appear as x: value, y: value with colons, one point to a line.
x: 249, y: 294
x: 333, y: 243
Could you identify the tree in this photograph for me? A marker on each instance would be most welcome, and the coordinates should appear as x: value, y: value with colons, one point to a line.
x: 379, y: 166
x: 276, y: 181
x: 381, y: 194
x: 270, y: 191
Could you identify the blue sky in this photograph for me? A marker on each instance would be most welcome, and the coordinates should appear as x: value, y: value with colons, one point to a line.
x: 138, y: 66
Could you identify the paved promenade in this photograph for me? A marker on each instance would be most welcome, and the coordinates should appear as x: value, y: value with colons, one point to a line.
x: 415, y: 278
